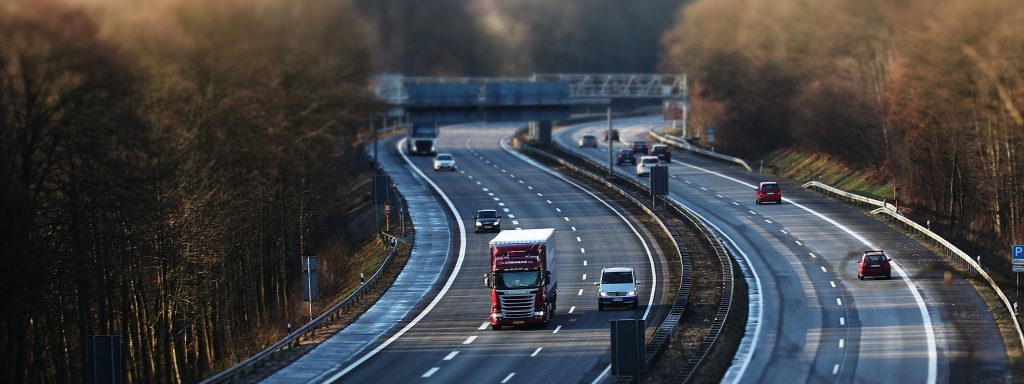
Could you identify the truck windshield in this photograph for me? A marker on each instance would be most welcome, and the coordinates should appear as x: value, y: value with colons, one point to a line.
x: 517, y: 279
x: 424, y: 131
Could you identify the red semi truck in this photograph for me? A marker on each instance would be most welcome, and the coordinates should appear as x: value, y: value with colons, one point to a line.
x: 522, y: 278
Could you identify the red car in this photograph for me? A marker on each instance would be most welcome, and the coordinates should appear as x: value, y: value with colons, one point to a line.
x: 874, y: 263
x: 769, y: 191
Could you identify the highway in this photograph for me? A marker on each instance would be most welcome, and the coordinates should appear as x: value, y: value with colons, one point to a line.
x: 453, y: 341
x: 813, y: 320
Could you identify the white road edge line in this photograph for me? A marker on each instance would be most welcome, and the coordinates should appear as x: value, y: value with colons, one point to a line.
x: 444, y: 290
x: 921, y: 306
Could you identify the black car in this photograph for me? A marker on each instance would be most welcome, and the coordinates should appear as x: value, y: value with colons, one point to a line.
x: 486, y: 220
x: 639, y: 147
x: 615, y: 134
x: 625, y: 155
x: 663, y: 152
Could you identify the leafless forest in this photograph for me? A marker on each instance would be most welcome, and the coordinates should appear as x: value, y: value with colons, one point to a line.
x: 163, y: 163
x: 927, y: 93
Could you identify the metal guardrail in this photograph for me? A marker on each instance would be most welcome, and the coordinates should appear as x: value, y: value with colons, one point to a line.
x: 662, y: 335
x: 333, y: 314
x: 951, y: 250
x: 679, y: 142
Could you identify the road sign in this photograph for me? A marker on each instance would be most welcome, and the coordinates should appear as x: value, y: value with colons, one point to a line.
x: 1018, y: 257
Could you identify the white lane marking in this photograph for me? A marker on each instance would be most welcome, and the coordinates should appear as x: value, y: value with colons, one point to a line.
x: 583, y: 250
x: 719, y: 195
x: 735, y: 203
x: 703, y: 189
x: 488, y: 161
x: 578, y: 238
x: 519, y: 228
x: 832, y: 283
x: 784, y: 231
x: 687, y: 181
x: 558, y: 209
x: 444, y: 290
x: 486, y: 190
x: 470, y: 176
x: 470, y: 339
x: 812, y: 255
x: 572, y: 309
x: 835, y: 369
x: 584, y: 276
x: 768, y: 221
x: 824, y: 270
x: 515, y: 222
x: 584, y: 263
x: 536, y: 351
x: 431, y: 372
x: 558, y: 328
x: 506, y: 209
x: 842, y: 321
x: 504, y: 171
x: 580, y: 293
x: 501, y: 204
x: 511, y: 175
x: 508, y: 377
x: 451, y: 355
x: 511, y: 216
x: 566, y: 218
x: 752, y: 212
x: 495, y: 165
x: 462, y: 172
x: 489, y: 193
x: 922, y: 308
x: 483, y: 326
x: 479, y: 183
x: 799, y: 243
x: 539, y: 194
x: 573, y: 228
x: 650, y: 257
x: 839, y: 301
x: 549, y: 201
x: 842, y: 343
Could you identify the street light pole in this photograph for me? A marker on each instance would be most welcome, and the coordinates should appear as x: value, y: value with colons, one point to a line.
x: 610, y: 141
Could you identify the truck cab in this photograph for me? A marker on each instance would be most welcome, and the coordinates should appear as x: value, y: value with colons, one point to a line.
x: 521, y: 278
x: 421, y: 139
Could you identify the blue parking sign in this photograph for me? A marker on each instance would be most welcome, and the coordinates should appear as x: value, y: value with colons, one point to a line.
x: 1018, y: 251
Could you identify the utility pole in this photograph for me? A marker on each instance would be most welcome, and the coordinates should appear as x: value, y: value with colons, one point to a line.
x: 610, y: 141
x: 376, y: 160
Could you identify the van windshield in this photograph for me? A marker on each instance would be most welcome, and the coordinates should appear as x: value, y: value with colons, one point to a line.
x: 616, y: 278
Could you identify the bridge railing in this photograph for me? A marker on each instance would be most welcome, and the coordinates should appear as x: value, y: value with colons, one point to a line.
x: 952, y: 251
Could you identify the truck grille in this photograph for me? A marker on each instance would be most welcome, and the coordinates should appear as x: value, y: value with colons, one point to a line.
x: 517, y: 306
x: 423, y: 145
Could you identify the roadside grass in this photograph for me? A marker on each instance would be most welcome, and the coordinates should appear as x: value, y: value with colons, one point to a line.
x: 802, y: 167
